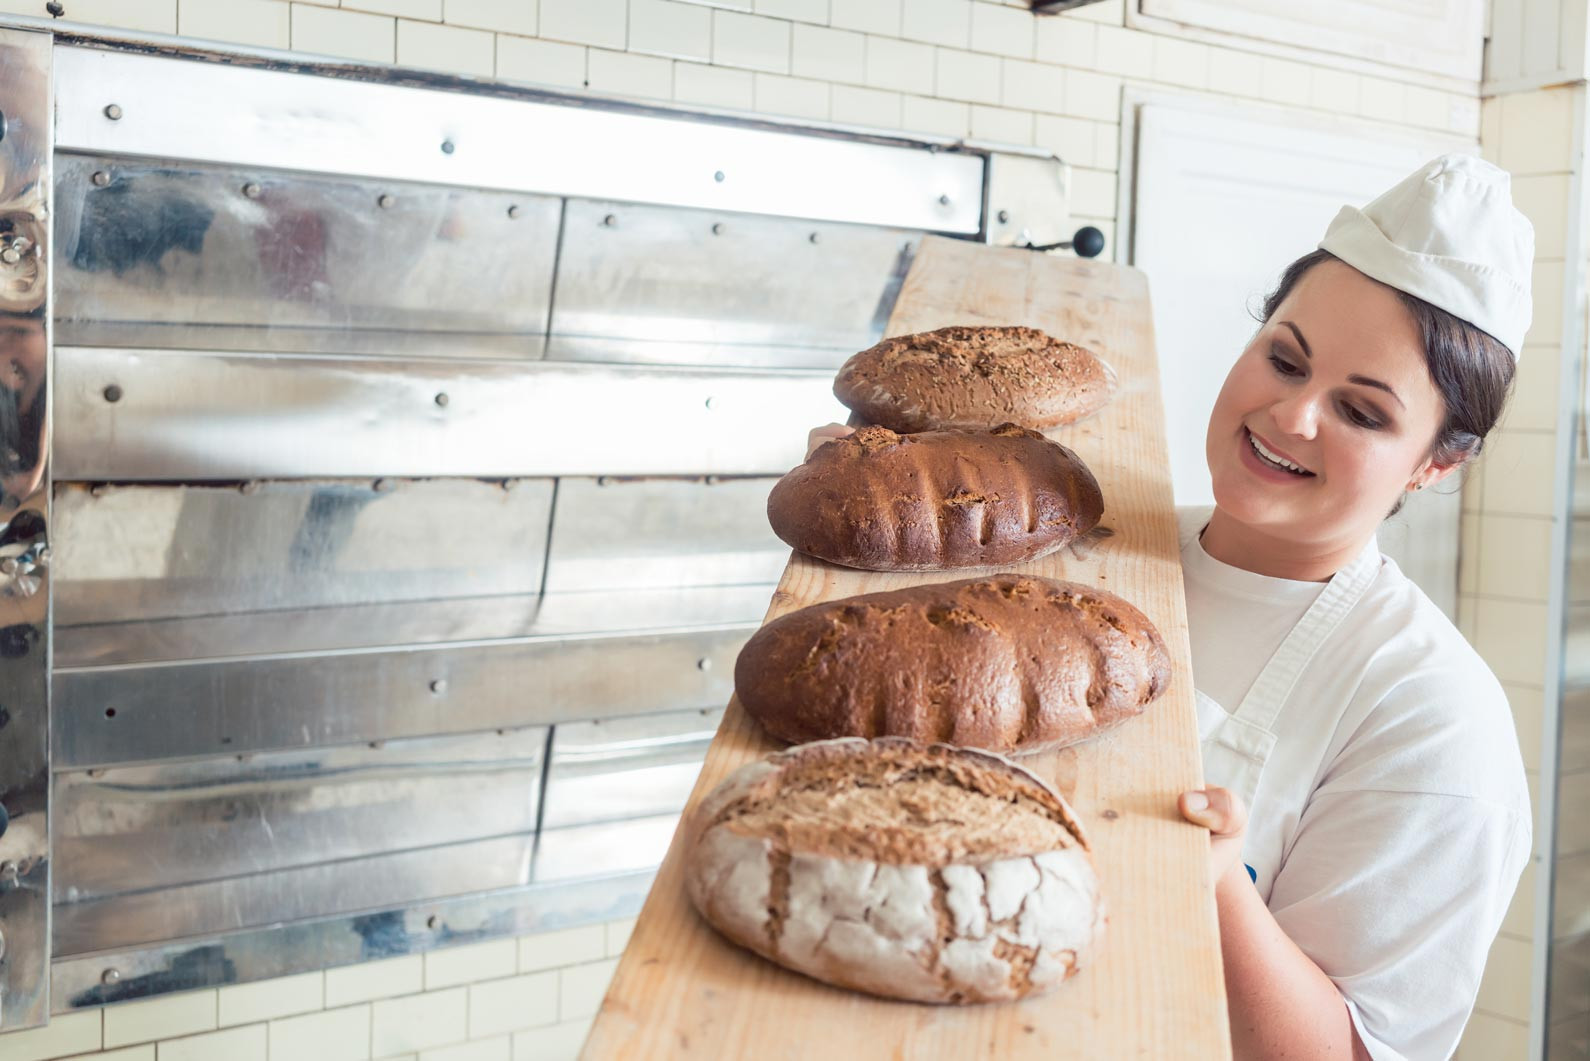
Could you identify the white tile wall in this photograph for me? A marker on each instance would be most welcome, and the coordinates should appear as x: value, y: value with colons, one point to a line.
x: 867, y: 106
x: 155, y: 16
x: 793, y: 96
x: 262, y: 23
x: 247, y: 1003
x: 626, y: 74
x: 146, y: 1052
x: 713, y: 86
x: 869, y: 16
x: 71, y: 1033
x: 943, y: 117
x: 500, y: 1006
x: 1125, y: 52
x: 160, y: 1018
x: 901, y: 65
x: 750, y: 41
x: 1504, y: 991
x: 946, y: 22
x: 540, y: 62
x: 598, y: 22
x: 506, y: 16
x: 422, y: 9
x: 345, y: 34
x: 247, y: 1043
x: 1003, y: 30
x: 581, y: 988
x: 966, y: 75
x: 418, y: 1022
x: 560, y: 1042
x: 471, y: 962
x: 335, y: 1035
x: 661, y: 27
x: 498, y: 1049
x: 1001, y: 124
x: 798, y: 10
x: 382, y: 979
x: 1034, y: 86
x: 828, y: 54
x: 1179, y: 62
x: 569, y: 946
x: 450, y: 48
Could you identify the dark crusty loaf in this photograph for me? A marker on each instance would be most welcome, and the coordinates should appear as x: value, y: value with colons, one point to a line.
x: 1009, y: 663
x: 914, y: 871
x: 974, y: 377
x: 937, y: 500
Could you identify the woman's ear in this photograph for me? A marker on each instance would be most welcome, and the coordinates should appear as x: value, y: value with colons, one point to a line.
x: 1434, y: 470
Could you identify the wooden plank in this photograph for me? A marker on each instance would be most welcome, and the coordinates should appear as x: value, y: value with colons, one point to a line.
x: 1156, y: 988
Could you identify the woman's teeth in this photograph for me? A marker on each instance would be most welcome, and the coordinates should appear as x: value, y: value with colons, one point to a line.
x: 1271, y: 458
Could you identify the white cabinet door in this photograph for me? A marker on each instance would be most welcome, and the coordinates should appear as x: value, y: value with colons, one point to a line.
x: 1224, y: 199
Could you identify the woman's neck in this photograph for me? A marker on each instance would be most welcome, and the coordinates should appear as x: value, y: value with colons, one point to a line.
x: 1240, y: 545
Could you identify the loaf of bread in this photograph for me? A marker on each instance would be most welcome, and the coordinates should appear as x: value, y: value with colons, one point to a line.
x: 912, y: 871
x: 1009, y: 662
x: 974, y: 377
x: 936, y: 500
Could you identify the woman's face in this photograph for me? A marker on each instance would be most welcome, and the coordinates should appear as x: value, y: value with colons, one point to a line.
x: 1328, y: 415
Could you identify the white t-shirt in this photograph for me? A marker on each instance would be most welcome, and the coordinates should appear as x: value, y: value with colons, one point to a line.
x: 1392, y: 820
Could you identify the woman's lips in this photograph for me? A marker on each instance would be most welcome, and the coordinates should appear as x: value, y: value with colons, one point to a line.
x: 1263, y: 468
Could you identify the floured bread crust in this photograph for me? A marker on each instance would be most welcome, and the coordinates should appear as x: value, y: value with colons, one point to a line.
x: 974, y: 377
x: 978, y: 887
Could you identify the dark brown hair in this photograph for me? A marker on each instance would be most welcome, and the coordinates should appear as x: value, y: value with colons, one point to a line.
x: 1471, y: 369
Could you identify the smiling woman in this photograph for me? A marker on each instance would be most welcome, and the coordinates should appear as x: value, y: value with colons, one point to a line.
x: 1390, y: 817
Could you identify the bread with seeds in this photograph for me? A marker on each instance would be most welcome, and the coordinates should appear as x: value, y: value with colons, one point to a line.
x: 974, y: 377
x: 1010, y: 663
x: 905, y: 870
x: 935, y: 501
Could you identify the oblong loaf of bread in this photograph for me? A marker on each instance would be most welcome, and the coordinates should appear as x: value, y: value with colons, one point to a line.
x: 936, y: 500
x: 974, y: 377
x: 1011, y: 663
x: 905, y: 870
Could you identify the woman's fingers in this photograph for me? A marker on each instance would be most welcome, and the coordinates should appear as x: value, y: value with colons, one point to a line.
x: 1217, y: 809
x: 827, y: 433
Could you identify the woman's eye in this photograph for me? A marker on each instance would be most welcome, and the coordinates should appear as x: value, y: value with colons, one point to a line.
x: 1284, y: 367
x: 1361, y: 418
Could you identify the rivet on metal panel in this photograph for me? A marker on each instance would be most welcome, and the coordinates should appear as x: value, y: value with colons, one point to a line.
x: 439, y: 686
x: 433, y: 922
x: 815, y: 237
x: 113, y: 112
x: 513, y: 212
x: 718, y: 176
x: 250, y: 487
x: 384, y: 201
x: 604, y: 480
x: 110, y: 976
x: 717, y: 228
x: 384, y: 486
x: 55, y: 8
x: 703, y: 663
x: 944, y: 200
x: 709, y: 403
x: 251, y: 190
x: 447, y: 147
x: 113, y: 393
x: 610, y: 220
x: 442, y: 399
x: 100, y: 178
x: 1004, y: 217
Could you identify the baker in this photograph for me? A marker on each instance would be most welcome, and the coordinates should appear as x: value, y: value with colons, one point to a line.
x: 1367, y: 806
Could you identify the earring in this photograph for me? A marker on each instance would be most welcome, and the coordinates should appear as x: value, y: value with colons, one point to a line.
x: 1418, y: 486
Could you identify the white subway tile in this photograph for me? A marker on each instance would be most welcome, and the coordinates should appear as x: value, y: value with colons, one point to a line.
x: 1470, y: 545
x: 70, y: 1033
x: 618, y: 932
x: 540, y: 62
x: 1334, y: 90
x: 1491, y: 129
x: 1106, y: 146
x: 798, y: 10
x: 868, y: 16
x: 430, y: 10
x: 1536, y: 385
x: 598, y: 22
x: 900, y: 65
x: 567, y: 946
x: 1283, y: 81
x: 1003, y: 30
x: 1092, y: 192
x: 1538, y: 129
x: 1110, y: 12
x: 581, y: 988
x: 235, y: 1044
x: 334, y: 1035
x: 1544, y: 200
x: 1234, y: 73
x: 1463, y: 116
x: 1520, y: 919
x: 1517, y: 562
x: 345, y: 34
x: 368, y: 980
x: 475, y: 961
x: 418, y: 1022
x: 946, y: 22
x: 155, y: 16
x: 1545, y: 327
x: 940, y: 117
x: 160, y: 1018
x: 1067, y: 41
x: 1519, y: 473
x: 829, y: 54
x: 146, y: 1052
x: 450, y: 48
x: 502, y: 16
x: 1001, y: 124
x: 499, y: 1006
x: 1468, y: 617
x: 1487, y: 1037
x: 1090, y: 95
x: 498, y: 1049
x: 1073, y: 139
x: 661, y: 27
x: 1504, y: 989
x: 1381, y: 99
x: 866, y: 106
x: 561, y: 1042
x: 1126, y: 52
x: 247, y: 1003
x: 262, y: 23
x: 1427, y: 108
x: 1179, y: 62
x: 623, y: 74
x: 1033, y: 86
x: 750, y: 41
x: 1511, y: 637
x: 711, y: 86
x: 792, y: 96
x: 966, y: 75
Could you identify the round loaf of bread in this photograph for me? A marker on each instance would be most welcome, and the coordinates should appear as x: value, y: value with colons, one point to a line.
x: 1010, y: 663
x: 936, y: 500
x: 974, y: 377
x: 907, y: 870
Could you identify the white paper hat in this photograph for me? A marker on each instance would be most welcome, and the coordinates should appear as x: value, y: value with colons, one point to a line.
x: 1449, y: 234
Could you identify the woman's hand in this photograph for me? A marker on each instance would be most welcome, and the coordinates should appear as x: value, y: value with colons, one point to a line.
x: 827, y: 433
x: 1222, y: 812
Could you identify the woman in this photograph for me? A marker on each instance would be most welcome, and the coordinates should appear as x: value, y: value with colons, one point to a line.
x: 1390, y: 817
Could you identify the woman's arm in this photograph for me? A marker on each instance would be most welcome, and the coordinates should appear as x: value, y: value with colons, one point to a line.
x: 1280, y: 1003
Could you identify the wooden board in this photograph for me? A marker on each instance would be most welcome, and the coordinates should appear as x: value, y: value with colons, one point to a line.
x: 1156, y: 988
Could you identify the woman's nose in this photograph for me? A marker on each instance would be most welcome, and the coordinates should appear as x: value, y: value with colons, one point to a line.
x: 1298, y: 414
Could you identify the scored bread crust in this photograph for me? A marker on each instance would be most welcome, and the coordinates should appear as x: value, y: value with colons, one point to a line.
x: 969, y: 377
x: 1011, y: 663
x: 883, y: 501
x: 928, y: 928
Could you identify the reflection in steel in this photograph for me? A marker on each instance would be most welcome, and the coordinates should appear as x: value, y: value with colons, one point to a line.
x: 24, y: 525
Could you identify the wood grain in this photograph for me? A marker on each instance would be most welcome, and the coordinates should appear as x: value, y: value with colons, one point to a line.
x: 1155, y: 989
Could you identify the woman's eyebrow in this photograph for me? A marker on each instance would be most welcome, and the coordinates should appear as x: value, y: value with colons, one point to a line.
x: 1300, y: 340
x: 1364, y: 380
